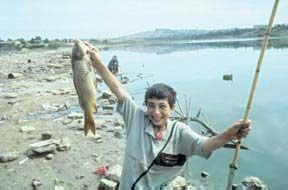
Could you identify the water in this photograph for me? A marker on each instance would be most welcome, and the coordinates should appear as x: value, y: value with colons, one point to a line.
x: 198, y: 73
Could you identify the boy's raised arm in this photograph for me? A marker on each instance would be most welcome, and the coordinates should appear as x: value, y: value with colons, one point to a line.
x: 111, y: 81
x: 238, y: 130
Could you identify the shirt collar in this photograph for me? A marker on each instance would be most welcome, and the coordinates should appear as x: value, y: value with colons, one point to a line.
x: 149, y: 129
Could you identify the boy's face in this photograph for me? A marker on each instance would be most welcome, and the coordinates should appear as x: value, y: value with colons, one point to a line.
x: 158, y: 111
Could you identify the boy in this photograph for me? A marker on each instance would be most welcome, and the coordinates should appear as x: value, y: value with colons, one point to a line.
x: 148, y: 132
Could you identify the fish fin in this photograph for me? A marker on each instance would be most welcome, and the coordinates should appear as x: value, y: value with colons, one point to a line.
x: 95, y: 107
x: 89, y: 122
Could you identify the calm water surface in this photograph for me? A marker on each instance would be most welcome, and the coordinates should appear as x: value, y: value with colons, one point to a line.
x: 198, y: 74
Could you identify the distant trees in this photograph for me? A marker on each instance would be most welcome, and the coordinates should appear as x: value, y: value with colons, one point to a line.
x: 36, y: 40
x: 46, y: 41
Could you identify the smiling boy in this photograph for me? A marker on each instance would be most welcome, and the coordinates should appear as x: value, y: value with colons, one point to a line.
x: 156, y: 147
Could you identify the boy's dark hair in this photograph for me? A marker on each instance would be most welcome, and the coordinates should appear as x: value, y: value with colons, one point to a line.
x: 161, y: 91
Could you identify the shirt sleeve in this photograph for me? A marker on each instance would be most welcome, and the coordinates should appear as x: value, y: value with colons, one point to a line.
x: 129, y: 111
x: 192, y: 143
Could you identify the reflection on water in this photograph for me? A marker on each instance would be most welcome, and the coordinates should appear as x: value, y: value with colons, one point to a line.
x: 164, y: 48
x: 198, y: 73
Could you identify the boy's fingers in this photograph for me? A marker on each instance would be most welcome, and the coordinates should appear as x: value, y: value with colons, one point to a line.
x: 87, y: 44
x: 91, y: 47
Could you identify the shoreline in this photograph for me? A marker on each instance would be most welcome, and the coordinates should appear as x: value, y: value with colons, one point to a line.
x: 41, y: 101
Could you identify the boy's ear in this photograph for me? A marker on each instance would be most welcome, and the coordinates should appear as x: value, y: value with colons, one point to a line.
x: 173, y: 107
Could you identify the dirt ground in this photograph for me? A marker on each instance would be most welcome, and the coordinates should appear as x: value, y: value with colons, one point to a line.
x: 39, y: 94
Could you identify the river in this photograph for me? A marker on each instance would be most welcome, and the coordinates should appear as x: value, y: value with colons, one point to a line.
x: 198, y: 73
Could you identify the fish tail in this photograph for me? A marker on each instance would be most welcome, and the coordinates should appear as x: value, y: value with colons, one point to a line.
x: 89, y: 122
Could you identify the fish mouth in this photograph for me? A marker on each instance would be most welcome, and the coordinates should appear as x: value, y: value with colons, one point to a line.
x: 78, y: 50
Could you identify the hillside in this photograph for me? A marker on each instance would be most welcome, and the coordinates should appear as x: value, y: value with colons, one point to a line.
x: 280, y: 30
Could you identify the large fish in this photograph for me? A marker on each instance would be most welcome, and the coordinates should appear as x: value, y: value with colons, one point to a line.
x: 85, y: 83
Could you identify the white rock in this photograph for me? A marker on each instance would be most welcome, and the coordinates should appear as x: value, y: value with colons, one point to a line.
x: 107, y: 184
x: 9, y: 156
x: 178, y: 181
x: 64, y: 144
x: 27, y: 129
x: 114, y: 172
x: 75, y: 115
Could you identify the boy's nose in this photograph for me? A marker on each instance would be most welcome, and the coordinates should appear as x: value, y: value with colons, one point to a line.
x: 157, y: 110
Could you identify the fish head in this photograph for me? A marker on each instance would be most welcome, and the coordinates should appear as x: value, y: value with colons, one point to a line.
x: 79, y: 50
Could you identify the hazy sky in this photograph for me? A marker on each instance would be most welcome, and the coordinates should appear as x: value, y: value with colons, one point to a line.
x: 112, y: 18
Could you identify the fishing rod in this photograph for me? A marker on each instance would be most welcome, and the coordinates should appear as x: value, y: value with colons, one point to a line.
x: 233, y: 165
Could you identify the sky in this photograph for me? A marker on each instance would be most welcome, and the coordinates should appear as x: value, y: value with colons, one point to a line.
x: 113, y: 18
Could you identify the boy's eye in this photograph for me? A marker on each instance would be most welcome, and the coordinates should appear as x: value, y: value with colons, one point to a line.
x: 162, y: 107
x: 151, y: 106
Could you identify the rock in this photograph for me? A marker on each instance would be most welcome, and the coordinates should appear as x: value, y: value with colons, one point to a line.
x: 100, y: 122
x: 9, y: 156
x: 99, y: 141
x: 51, y: 79
x: 99, y: 159
x: 2, y: 118
x: 192, y: 186
x: 204, y: 174
x: 99, y: 79
x: 11, y: 95
x: 67, y: 105
x: 42, y: 147
x: 66, y: 56
x: 27, y: 129
x: 76, y: 124
x: 118, y: 135
x: 106, y: 184
x: 64, y: 144
x: 48, y: 107
x: 35, y: 183
x: 228, y: 77
x: 66, y: 121
x: 107, y: 112
x: 103, y: 102
x: 106, y: 94
x: 75, y: 115
x: 59, y: 182
x: 58, y: 187
x: 178, y: 182
x: 13, y: 102
x: 95, y: 137
x: 95, y: 155
x: 45, y: 143
x: 108, y: 107
x: 14, y: 75
x: 46, y: 136
x: 119, y: 123
x: 114, y: 172
x: 79, y: 176
x: 109, y: 129
x: 55, y: 65
x: 117, y: 128
x: 59, y: 92
x: 252, y: 181
x: 49, y: 156
x: 23, y: 161
x: 112, y: 99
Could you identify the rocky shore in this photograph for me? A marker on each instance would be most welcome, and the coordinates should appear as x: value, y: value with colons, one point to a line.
x: 41, y: 125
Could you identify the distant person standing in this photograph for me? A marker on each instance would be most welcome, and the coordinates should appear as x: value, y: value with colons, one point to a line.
x: 113, y: 65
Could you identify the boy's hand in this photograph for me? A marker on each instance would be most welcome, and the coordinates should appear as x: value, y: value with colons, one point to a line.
x: 94, y: 53
x: 239, y: 129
